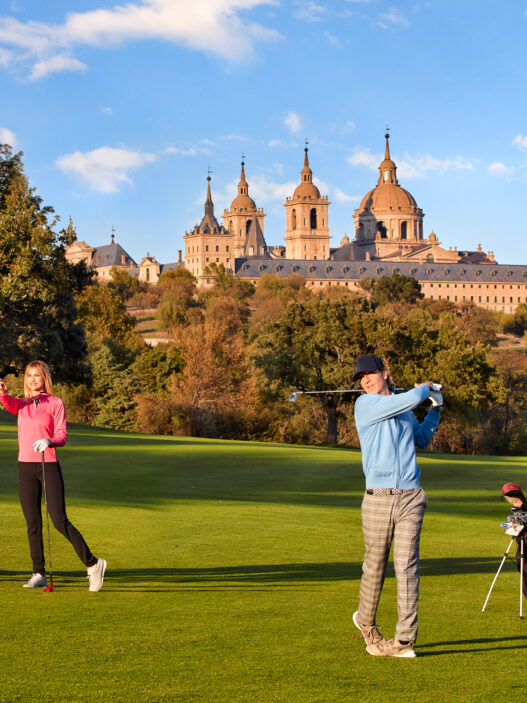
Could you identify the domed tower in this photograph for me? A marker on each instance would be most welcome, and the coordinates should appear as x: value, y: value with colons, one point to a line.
x: 208, y: 243
x: 242, y: 216
x: 388, y: 219
x: 307, y: 228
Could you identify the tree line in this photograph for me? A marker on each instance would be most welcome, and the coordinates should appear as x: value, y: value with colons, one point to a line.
x: 237, y: 351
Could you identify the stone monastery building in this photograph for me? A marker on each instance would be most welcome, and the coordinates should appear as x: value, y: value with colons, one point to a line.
x: 388, y: 238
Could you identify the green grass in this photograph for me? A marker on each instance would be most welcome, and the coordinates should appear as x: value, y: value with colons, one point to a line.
x: 233, y: 573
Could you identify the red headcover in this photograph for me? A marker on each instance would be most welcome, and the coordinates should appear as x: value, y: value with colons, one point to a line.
x: 508, y: 487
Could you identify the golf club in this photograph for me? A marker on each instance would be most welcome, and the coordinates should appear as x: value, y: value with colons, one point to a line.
x: 294, y: 396
x: 49, y: 587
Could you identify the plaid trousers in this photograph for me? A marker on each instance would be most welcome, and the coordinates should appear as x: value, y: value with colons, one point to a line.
x: 387, y: 518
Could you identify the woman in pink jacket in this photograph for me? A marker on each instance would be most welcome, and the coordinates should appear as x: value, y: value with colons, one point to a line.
x: 41, y: 428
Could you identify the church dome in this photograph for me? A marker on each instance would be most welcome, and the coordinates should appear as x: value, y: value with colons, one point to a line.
x: 387, y: 196
x: 307, y: 190
x: 243, y: 201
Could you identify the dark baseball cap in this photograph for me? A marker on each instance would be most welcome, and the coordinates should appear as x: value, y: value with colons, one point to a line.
x: 367, y: 363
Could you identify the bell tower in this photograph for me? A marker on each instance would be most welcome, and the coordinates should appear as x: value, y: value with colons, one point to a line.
x: 307, y: 228
x: 243, y: 211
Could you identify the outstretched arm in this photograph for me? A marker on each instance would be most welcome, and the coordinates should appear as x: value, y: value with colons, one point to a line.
x: 371, y: 408
x: 11, y: 404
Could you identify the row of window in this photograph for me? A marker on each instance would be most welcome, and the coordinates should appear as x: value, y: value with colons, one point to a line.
x: 479, y: 285
x: 454, y: 298
x: 195, y: 249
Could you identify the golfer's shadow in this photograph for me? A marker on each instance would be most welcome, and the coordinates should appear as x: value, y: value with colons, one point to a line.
x: 517, y: 642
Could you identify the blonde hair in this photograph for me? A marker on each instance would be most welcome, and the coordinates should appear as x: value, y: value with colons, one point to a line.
x: 44, y: 370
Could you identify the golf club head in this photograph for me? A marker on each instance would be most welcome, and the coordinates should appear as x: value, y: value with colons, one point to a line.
x: 49, y: 588
x: 293, y: 397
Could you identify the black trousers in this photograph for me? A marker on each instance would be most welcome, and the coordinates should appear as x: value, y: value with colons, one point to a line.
x: 30, y: 489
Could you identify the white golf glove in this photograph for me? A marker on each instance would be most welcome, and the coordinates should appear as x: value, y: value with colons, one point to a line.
x: 41, y: 445
x: 435, y: 395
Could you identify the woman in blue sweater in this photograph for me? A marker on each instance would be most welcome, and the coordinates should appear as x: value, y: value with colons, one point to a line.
x: 394, y: 503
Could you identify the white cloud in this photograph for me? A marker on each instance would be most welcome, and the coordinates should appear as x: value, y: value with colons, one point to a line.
x: 323, y: 187
x: 393, y: 17
x: 497, y: 168
x: 364, y: 157
x: 262, y: 190
x: 418, y: 167
x: 350, y: 125
x: 5, y: 58
x: 107, y: 110
x: 310, y: 11
x: 104, y: 169
x: 216, y: 27
x: 191, y: 151
x: 234, y: 138
x: 334, y: 41
x: 411, y: 166
x: 293, y: 122
x: 265, y: 191
x: 202, y: 147
x: 342, y: 197
x: 56, y: 64
x: 281, y: 143
x: 520, y: 141
x: 7, y: 137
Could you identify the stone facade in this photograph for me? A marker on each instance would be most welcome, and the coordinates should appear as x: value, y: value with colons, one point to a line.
x: 494, y: 287
x: 388, y: 239
x: 307, y: 226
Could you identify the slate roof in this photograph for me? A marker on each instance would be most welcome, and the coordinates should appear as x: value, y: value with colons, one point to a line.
x: 172, y: 266
x: 111, y: 255
x: 329, y: 270
x: 255, y: 239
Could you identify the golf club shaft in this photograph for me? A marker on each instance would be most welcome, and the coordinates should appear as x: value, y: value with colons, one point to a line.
x: 497, y: 574
x: 521, y: 577
x: 47, y: 517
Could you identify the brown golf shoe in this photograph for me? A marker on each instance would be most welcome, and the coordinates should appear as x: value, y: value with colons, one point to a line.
x: 371, y: 633
x: 392, y: 648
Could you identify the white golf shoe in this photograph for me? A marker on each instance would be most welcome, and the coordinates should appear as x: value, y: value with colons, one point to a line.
x: 36, y: 581
x: 96, y: 574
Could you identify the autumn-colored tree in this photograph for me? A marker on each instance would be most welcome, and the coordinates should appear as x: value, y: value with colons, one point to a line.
x: 215, y: 393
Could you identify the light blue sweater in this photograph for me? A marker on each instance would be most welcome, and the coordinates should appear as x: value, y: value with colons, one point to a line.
x: 388, y: 433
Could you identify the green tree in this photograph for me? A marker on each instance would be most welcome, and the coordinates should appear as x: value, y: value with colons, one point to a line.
x: 225, y: 281
x: 156, y: 366
x: 313, y: 347
x: 178, y: 304
x: 37, y: 284
x: 396, y: 289
x: 125, y: 285
x: 103, y: 314
x: 517, y: 322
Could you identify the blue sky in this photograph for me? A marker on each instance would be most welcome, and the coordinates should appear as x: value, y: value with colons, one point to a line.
x: 121, y: 109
